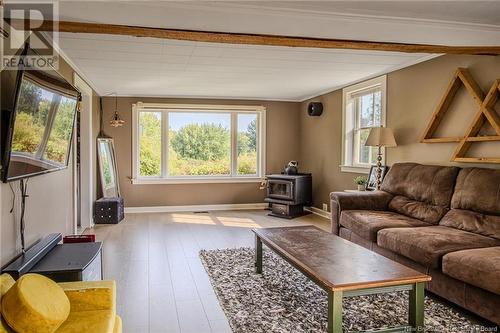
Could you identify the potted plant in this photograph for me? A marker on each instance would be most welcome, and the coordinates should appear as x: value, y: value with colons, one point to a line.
x: 361, y: 182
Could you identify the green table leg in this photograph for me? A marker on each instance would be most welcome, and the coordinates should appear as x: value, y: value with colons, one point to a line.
x: 416, y: 312
x: 258, y: 255
x: 335, y: 312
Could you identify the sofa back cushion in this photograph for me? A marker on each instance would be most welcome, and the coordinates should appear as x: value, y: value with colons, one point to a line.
x: 478, y: 189
x: 420, y: 191
x: 468, y: 220
x: 476, y: 202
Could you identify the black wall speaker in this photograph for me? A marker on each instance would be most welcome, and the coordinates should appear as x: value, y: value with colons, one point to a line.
x: 315, y: 109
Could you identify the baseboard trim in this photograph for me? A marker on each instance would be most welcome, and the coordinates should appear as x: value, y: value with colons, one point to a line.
x: 319, y: 212
x: 195, y: 208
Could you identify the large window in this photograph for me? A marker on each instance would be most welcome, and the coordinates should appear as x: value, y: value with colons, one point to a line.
x: 198, y: 143
x: 363, y: 108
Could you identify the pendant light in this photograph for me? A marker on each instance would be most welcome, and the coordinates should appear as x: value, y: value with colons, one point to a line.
x: 116, y: 121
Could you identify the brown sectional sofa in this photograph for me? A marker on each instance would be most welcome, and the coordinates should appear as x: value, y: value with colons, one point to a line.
x: 444, y: 221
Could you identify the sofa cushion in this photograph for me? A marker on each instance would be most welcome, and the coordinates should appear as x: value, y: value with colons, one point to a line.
x: 102, y: 321
x: 478, y: 189
x: 6, y: 282
x: 421, y: 191
x: 427, y: 245
x: 366, y: 223
x: 118, y: 324
x: 91, y: 295
x: 479, y: 267
x: 416, y: 209
x: 476, y: 202
x: 468, y: 220
x: 35, y: 304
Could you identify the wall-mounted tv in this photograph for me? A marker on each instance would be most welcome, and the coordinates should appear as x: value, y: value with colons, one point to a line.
x: 38, y: 112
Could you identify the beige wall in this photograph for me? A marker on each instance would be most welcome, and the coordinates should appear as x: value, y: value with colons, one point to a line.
x: 282, y: 146
x: 49, y: 208
x: 412, y: 96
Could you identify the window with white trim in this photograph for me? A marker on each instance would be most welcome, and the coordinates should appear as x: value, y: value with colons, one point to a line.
x: 363, y: 108
x: 176, y: 143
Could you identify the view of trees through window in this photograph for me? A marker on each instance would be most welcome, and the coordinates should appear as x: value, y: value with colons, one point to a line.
x: 40, y: 111
x: 199, y: 143
x: 369, y: 115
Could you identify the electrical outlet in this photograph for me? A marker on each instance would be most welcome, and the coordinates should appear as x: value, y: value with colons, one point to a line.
x: 325, y: 207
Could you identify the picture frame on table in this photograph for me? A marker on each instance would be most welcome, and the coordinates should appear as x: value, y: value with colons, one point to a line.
x: 371, y: 185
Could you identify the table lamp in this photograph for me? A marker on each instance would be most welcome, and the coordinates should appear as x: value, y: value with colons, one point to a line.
x: 380, y: 137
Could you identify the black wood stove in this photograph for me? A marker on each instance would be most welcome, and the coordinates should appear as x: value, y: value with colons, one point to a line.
x: 288, y: 194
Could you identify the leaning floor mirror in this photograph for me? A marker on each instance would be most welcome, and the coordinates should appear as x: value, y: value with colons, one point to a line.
x: 107, y: 168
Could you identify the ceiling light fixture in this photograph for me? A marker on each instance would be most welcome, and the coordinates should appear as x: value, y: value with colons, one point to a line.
x: 116, y: 121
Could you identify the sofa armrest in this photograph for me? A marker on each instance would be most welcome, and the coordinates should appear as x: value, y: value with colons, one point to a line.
x: 91, y: 295
x: 363, y: 200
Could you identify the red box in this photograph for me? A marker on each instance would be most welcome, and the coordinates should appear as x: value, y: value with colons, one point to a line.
x: 78, y: 239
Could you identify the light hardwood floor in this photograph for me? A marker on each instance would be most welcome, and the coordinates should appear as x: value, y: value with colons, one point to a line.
x: 161, y: 283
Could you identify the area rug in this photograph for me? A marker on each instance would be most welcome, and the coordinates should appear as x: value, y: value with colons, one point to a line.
x: 284, y: 300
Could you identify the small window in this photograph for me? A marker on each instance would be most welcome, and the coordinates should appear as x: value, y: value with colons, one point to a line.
x: 363, y: 108
x: 198, y: 143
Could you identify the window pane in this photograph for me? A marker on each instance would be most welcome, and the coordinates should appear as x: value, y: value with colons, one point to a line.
x: 377, y: 108
x: 370, y: 109
x: 150, y: 143
x: 366, y: 154
x: 199, y: 144
x: 247, y: 144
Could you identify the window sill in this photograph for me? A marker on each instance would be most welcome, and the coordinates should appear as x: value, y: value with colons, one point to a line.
x: 193, y: 180
x: 354, y: 169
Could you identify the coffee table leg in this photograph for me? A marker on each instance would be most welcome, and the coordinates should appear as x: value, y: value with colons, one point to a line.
x: 416, y: 311
x: 258, y: 255
x: 335, y: 312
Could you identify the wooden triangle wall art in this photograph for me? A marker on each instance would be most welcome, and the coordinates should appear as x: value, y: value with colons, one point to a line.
x: 485, y: 114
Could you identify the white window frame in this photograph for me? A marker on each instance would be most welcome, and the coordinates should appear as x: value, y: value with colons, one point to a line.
x: 349, y: 121
x: 234, y: 110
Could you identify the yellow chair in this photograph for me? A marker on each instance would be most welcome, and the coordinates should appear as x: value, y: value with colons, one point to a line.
x: 92, y: 307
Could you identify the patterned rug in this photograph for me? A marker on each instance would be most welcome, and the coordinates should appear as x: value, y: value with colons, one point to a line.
x: 284, y: 300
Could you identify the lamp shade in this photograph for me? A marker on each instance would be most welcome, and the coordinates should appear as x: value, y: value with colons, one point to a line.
x: 381, y: 137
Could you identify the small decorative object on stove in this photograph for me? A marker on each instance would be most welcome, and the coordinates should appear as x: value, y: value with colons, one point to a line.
x: 292, y: 168
x: 361, y: 181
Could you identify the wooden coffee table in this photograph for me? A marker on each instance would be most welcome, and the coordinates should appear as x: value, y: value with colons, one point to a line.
x: 343, y: 269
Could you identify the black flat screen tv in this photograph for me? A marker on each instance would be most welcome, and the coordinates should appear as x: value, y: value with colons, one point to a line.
x: 38, y: 113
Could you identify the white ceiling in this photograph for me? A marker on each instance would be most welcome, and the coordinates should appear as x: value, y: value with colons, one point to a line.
x: 472, y: 12
x: 152, y: 67
x: 431, y: 22
x: 132, y: 66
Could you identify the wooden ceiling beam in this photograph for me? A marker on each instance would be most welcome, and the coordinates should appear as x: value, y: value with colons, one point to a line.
x: 250, y: 39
